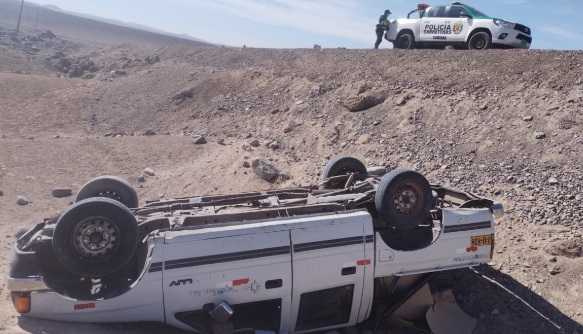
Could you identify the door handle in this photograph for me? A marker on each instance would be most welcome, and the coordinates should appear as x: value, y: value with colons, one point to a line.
x: 348, y: 271
x: 274, y: 283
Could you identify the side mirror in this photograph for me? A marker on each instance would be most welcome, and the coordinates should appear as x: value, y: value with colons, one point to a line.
x: 466, y: 15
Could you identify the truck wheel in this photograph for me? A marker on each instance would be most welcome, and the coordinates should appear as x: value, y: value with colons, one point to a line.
x: 95, y: 237
x: 341, y: 165
x: 406, y: 41
x: 479, y: 41
x: 109, y: 187
x: 403, y: 199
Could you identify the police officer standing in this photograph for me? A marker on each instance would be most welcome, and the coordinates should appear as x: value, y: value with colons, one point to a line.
x: 381, y: 27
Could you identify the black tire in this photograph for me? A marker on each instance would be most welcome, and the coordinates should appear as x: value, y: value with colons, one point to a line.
x: 403, y: 199
x: 405, y: 41
x: 95, y: 237
x: 480, y: 41
x: 341, y: 165
x: 109, y: 187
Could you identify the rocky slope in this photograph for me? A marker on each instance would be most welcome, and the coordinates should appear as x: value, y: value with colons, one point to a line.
x: 506, y: 124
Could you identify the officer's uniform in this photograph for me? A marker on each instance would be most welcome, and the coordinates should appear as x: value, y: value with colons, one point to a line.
x: 381, y: 27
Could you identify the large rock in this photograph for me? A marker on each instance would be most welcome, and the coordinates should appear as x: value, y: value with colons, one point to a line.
x: 363, y: 102
x: 264, y: 168
x: 62, y: 192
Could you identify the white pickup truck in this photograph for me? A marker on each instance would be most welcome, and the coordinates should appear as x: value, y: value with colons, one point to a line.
x: 284, y: 261
x: 457, y: 25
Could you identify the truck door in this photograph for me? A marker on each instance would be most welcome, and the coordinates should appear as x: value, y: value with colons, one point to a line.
x: 251, y: 272
x: 329, y: 263
x: 436, y: 26
x: 460, y: 23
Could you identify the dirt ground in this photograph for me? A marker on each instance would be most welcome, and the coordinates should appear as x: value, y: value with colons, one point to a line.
x: 501, y: 123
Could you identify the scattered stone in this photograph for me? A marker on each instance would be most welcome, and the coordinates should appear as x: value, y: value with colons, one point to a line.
x: 254, y: 143
x: 275, y: 111
x: 142, y: 178
x: 266, y: 143
x: 539, y: 135
x: 553, y: 259
x: 365, y: 139
x: 149, y: 133
x: 495, y: 311
x: 1, y: 193
x: 221, y: 141
x: 62, y: 192
x: 376, y: 170
x: 149, y: 171
x: 402, y: 101
x: 284, y: 176
x: 264, y: 169
x: 56, y: 136
x: 375, y: 123
x: 246, y: 164
x: 483, y: 107
x: 22, y: 200
x: 274, y: 145
x: 553, y: 181
x: 527, y: 118
x: 288, y: 129
x: 119, y: 72
x: 555, y: 270
x: 540, y: 280
x: 200, y: 140
x: 449, y: 48
x: 299, y: 102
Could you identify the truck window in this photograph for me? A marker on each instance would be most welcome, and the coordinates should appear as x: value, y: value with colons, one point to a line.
x: 437, y: 11
x: 456, y: 11
x: 325, y: 308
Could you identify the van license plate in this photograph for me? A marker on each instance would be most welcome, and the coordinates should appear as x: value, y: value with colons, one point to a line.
x: 482, y: 240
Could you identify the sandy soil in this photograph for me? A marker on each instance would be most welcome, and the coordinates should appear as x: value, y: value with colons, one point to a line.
x: 469, y: 120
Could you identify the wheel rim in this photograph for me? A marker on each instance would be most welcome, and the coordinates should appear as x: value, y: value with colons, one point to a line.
x: 406, y: 199
x: 480, y: 43
x: 405, y: 43
x: 95, y: 237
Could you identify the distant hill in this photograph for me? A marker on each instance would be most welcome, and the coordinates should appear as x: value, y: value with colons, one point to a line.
x: 87, y: 27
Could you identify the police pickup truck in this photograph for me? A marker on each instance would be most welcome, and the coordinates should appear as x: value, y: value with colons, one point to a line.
x: 284, y: 261
x: 457, y: 25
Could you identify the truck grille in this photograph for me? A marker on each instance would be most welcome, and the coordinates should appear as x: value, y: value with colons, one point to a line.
x: 523, y: 29
x: 524, y: 38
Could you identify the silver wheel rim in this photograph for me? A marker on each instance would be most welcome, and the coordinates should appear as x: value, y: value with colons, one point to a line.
x: 95, y: 237
x: 405, y: 199
x: 480, y: 43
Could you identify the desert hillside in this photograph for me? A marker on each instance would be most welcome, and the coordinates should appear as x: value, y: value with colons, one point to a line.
x: 84, y: 28
x: 501, y: 123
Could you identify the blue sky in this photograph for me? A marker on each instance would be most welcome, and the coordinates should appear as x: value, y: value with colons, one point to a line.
x: 330, y: 23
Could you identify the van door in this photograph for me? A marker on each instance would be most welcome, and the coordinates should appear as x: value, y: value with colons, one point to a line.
x: 329, y: 264
x: 251, y: 272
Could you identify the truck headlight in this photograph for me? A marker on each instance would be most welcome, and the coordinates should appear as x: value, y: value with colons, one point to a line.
x: 497, y: 210
x: 505, y: 24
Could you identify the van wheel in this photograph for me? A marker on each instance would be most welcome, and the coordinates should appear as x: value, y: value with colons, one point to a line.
x: 109, y: 187
x: 403, y: 199
x: 341, y: 165
x: 95, y: 237
x: 406, y: 41
x: 479, y: 41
